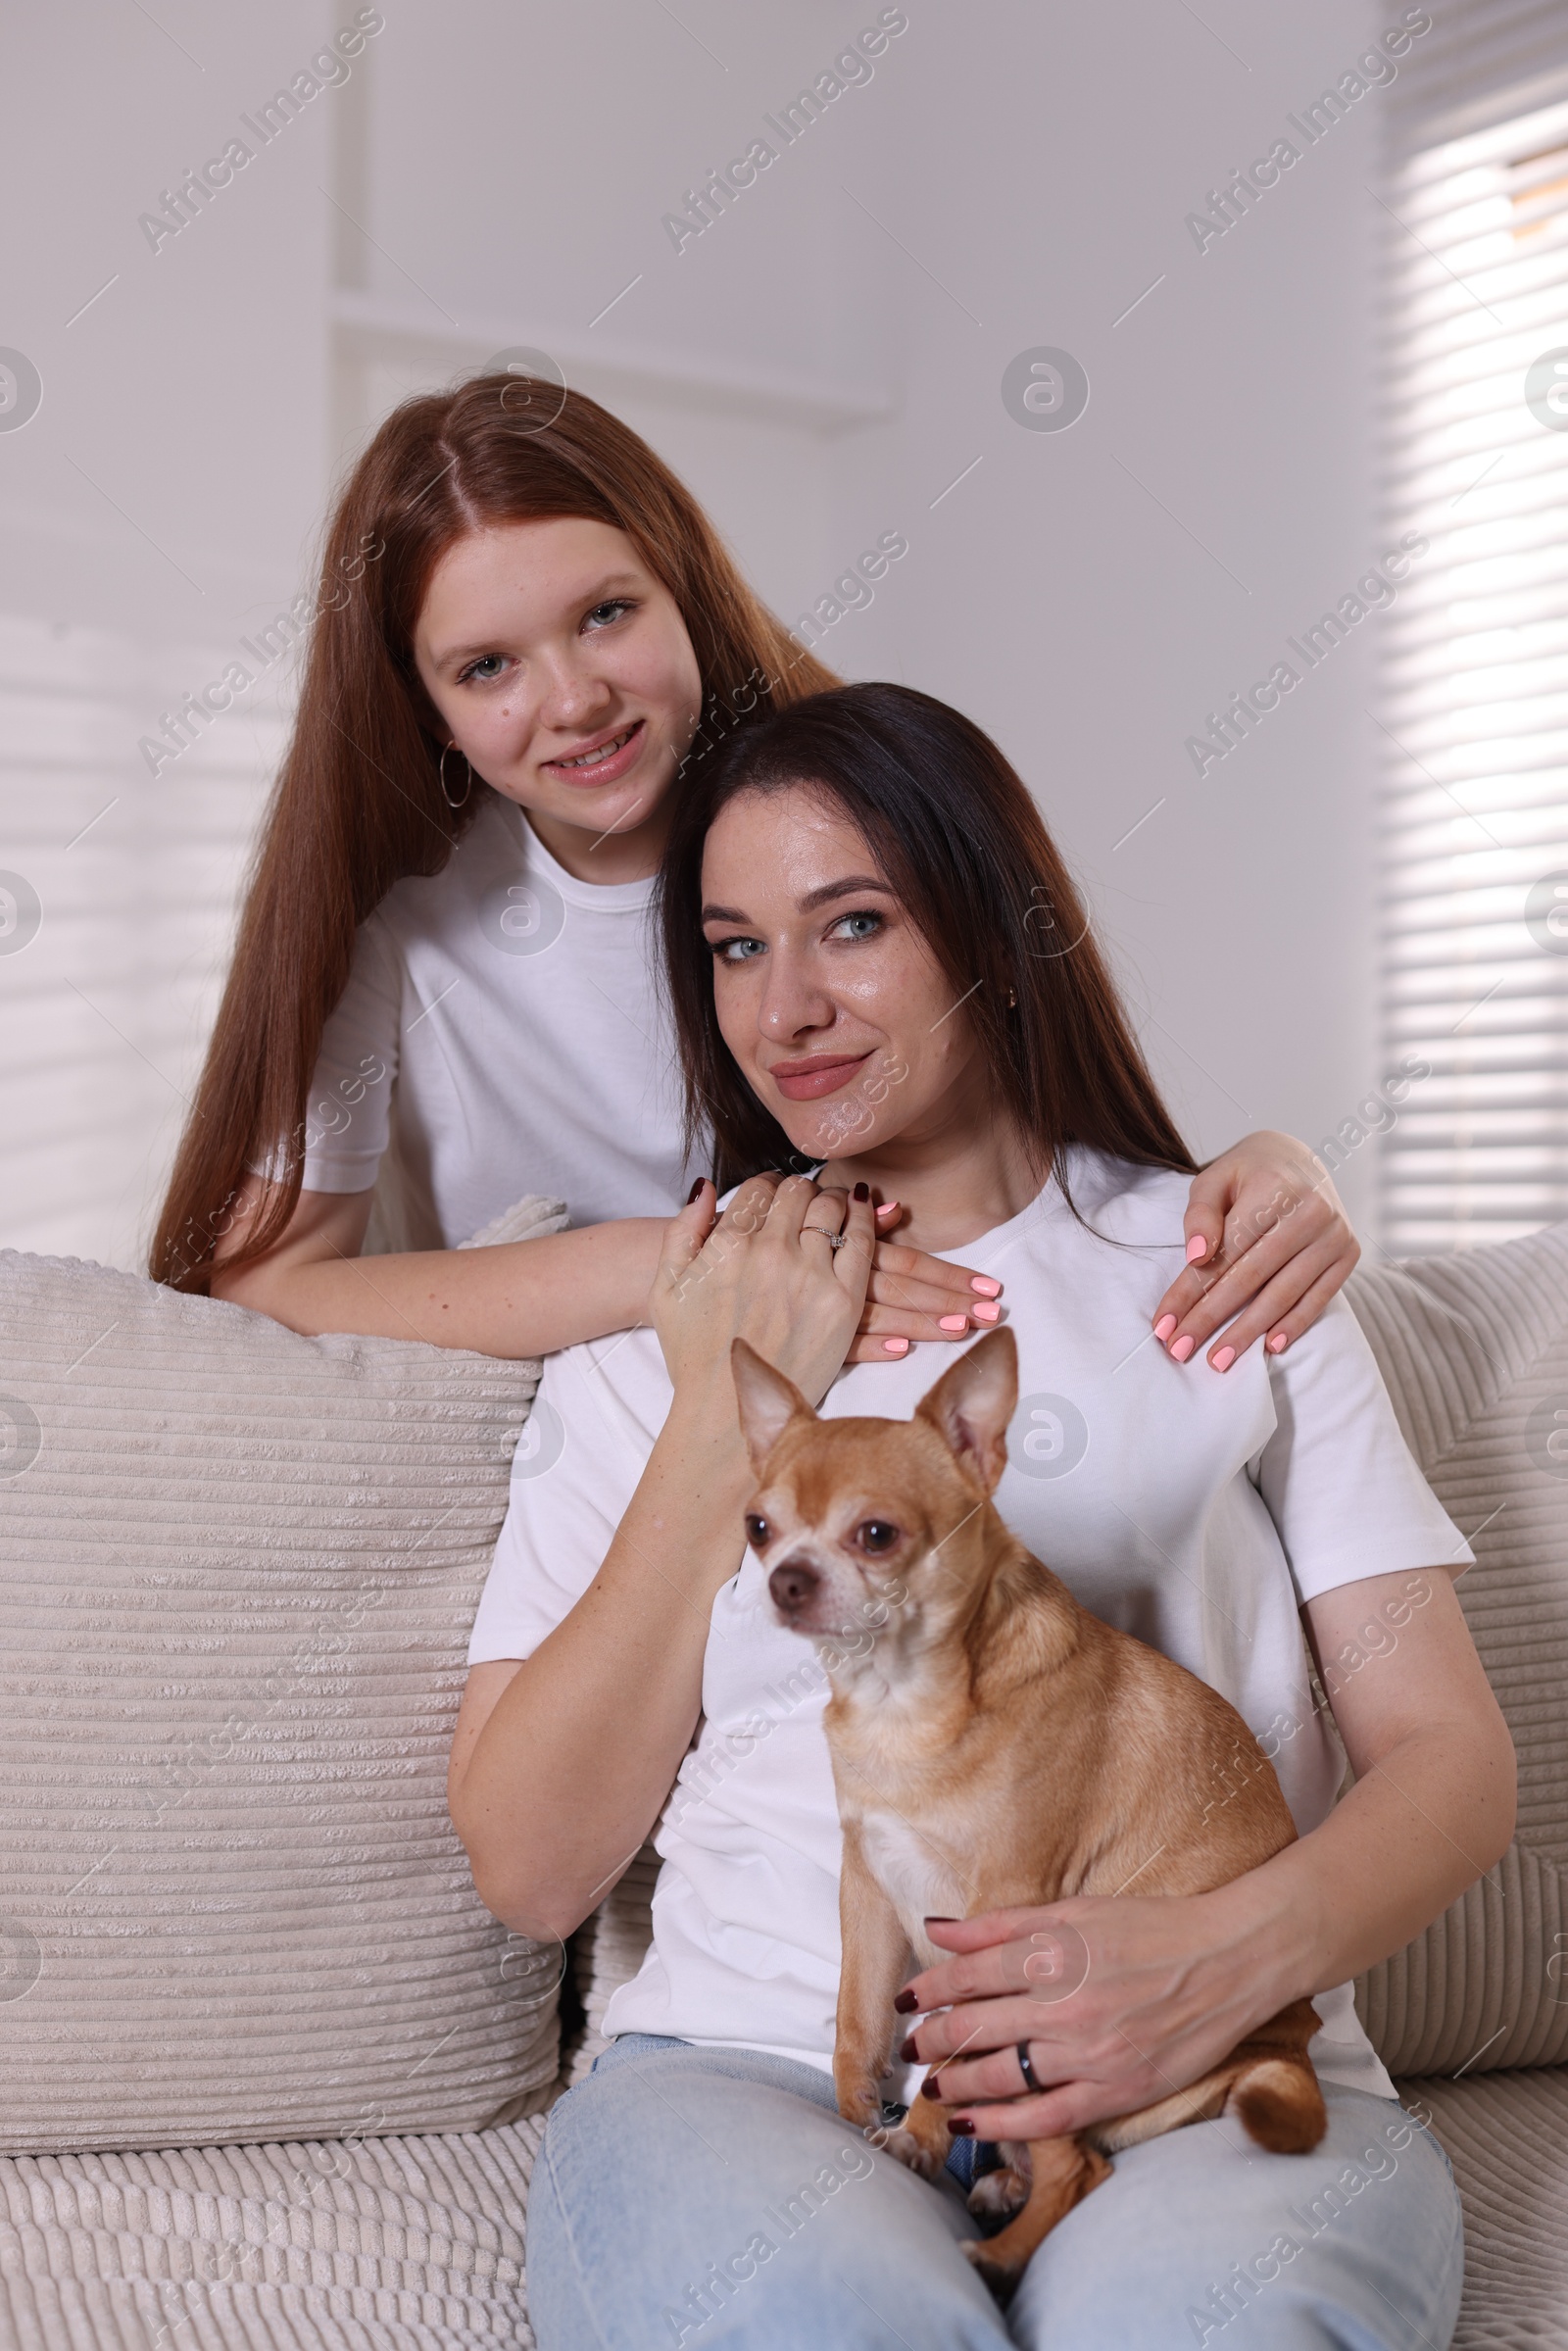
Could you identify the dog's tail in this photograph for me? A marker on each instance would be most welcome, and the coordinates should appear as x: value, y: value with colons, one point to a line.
x: 1280, y: 2104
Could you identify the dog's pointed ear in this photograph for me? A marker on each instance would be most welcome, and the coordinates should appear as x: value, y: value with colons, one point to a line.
x: 767, y: 1401
x: 972, y: 1403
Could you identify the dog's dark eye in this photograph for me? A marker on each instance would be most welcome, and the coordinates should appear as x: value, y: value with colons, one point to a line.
x: 757, y: 1530
x: 876, y: 1535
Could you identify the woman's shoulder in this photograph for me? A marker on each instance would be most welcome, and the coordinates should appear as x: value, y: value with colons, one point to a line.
x: 1103, y: 1187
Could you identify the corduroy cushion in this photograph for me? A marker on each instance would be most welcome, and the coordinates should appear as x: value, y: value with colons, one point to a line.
x: 237, y: 1572
x: 1475, y: 1352
x: 375, y: 2244
x: 1507, y: 2137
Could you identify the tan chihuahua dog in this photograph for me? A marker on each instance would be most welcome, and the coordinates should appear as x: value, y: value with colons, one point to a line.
x: 995, y: 1745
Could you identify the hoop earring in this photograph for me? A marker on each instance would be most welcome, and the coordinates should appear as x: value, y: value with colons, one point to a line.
x: 442, y: 773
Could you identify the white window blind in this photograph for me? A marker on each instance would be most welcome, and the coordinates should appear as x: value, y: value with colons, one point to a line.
x: 1474, y: 705
x: 116, y: 904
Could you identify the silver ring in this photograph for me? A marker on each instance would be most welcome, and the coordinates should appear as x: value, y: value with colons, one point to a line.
x: 833, y: 1240
x: 1030, y: 2080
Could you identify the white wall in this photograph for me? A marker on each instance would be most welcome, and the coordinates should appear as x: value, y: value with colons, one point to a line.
x: 1092, y: 618
x: 819, y: 365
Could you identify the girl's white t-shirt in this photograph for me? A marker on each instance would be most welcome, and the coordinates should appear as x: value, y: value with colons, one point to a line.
x: 500, y: 1034
x: 1196, y: 1510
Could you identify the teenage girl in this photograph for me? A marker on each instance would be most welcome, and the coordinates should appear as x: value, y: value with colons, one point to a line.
x: 528, y: 637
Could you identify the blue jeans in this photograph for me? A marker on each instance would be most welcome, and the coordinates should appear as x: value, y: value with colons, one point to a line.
x: 688, y: 2197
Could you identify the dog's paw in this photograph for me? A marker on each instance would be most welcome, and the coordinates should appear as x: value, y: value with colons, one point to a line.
x: 998, y: 2195
x: 927, y: 2163
x: 1001, y: 2280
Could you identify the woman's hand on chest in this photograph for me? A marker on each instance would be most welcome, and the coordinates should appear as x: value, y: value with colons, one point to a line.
x: 786, y: 1267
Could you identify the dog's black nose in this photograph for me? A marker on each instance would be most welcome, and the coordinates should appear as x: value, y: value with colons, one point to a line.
x: 793, y: 1584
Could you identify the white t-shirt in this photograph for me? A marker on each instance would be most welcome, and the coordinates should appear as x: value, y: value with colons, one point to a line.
x: 1196, y: 1511
x: 501, y: 1033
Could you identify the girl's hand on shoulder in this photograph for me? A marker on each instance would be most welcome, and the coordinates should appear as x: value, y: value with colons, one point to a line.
x: 912, y: 1297
x: 1268, y: 1245
x: 767, y: 1272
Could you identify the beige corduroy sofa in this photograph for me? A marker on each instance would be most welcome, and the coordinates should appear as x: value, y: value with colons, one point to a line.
x: 271, y: 2074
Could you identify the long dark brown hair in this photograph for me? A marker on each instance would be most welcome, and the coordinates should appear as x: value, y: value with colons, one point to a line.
x: 359, y: 801
x: 965, y: 851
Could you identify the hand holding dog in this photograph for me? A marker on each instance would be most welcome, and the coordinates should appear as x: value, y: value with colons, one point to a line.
x: 1120, y: 2001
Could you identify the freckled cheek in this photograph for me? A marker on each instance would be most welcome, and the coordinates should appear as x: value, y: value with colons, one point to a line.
x: 895, y: 992
x: 664, y: 676
x: 737, y: 996
x: 874, y: 998
x: 507, y: 729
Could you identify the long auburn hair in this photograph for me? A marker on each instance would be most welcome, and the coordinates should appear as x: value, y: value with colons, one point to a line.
x: 359, y: 801
x: 965, y: 848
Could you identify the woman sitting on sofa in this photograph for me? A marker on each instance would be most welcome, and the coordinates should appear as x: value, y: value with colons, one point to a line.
x: 862, y: 976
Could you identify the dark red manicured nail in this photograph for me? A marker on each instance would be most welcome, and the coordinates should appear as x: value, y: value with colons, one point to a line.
x: 694, y: 1190
x: 928, y: 2088
x: 905, y: 2004
x: 862, y: 1191
x: 959, y: 2127
x: 908, y: 2054
x: 936, y: 1919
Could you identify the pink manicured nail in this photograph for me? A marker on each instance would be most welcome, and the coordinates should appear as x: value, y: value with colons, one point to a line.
x: 1183, y: 1348
x: 887, y: 1207
x: 986, y: 1312
x: 897, y: 1347
x: 1224, y: 1359
x: 953, y: 1322
x: 1279, y: 1341
x: 985, y: 1284
x: 1164, y: 1327
x: 1197, y: 1248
